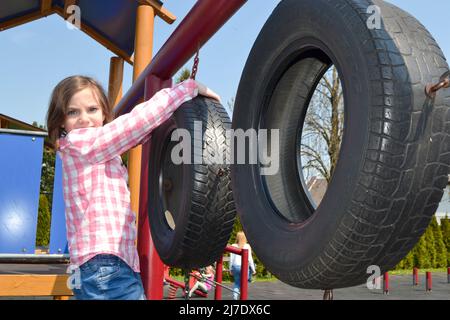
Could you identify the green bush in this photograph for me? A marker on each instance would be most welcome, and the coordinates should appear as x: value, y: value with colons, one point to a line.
x: 432, y: 250
x: 439, y: 245
x: 445, y: 228
x: 44, y: 220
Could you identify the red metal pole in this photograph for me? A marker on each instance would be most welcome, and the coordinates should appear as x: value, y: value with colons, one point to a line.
x: 244, y: 275
x: 448, y: 275
x: 219, y: 269
x: 386, y: 283
x: 429, y: 282
x: 201, y: 23
x: 234, y: 250
x: 152, y: 268
x: 415, y: 277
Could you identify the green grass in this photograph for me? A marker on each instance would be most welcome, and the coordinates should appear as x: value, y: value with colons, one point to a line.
x: 421, y: 271
x: 254, y: 279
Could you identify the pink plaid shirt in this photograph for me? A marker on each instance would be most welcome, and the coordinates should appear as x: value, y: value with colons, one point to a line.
x: 99, y: 218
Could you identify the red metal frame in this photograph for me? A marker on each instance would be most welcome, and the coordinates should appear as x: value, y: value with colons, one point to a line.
x: 386, y: 283
x: 448, y: 275
x: 244, y: 275
x: 218, y: 275
x: 181, y: 285
x: 201, y: 23
x: 429, y: 282
x: 415, y: 276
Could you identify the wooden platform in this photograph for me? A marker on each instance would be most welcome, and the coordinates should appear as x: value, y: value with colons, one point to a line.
x: 34, y: 280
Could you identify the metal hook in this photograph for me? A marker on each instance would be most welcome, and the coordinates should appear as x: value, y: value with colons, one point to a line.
x: 444, y: 82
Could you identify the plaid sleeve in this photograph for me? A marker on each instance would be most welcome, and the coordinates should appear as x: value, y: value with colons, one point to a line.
x: 104, y: 143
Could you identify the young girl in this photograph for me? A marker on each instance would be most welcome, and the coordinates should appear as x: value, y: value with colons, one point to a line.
x: 235, y: 263
x: 204, y: 280
x: 101, y: 230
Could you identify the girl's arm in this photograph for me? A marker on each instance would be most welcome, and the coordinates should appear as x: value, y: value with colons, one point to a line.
x: 251, y: 263
x: 104, y: 143
x: 202, y: 90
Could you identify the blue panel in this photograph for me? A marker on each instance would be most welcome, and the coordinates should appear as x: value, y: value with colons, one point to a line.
x: 58, y: 236
x: 10, y: 9
x: 59, y: 3
x: 20, y: 176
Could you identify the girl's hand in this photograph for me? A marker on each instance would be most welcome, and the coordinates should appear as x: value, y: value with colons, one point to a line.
x: 207, y: 92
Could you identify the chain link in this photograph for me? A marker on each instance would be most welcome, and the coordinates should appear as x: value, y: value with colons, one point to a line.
x: 187, y: 275
x: 195, y: 66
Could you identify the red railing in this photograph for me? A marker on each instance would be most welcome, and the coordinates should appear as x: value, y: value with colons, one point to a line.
x: 244, y: 273
x: 219, y: 276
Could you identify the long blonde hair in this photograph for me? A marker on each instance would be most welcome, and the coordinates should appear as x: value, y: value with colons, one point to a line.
x: 241, y: 239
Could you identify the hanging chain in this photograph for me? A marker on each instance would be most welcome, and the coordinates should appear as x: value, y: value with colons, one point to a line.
x: 195, y: 66
x: 444, y: 82
x: 187, y: 275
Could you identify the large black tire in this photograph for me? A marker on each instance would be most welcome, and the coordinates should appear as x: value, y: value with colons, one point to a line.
x: 198, y: 195
x: 395, y: 151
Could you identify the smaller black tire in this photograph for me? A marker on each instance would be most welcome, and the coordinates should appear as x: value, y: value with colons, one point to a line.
x: 191, y: 206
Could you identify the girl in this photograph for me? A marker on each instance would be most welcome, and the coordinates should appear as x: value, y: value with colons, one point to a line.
x: 101, y: 230
x: 235, y: 263
x: 204, y: 280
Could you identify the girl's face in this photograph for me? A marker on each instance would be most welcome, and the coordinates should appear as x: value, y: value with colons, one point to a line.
x: 84, y: 111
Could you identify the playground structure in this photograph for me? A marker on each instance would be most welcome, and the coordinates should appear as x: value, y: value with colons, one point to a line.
x: 381, y: 215
x: 200, y: 24
x: 20, y: 195
x: 21, y: 172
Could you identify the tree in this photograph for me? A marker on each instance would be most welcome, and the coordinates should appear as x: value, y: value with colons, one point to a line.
x: 44, y: 220
x: 184, y: 75
x: 40, y: 126
x: 421, y: 254
x: 445, y: 228
x: 407, y: 263
x: 48, y: 174
x: 439, y: 246
x: 429, y: 247
x: 323, y: 127
x: 432, y: 249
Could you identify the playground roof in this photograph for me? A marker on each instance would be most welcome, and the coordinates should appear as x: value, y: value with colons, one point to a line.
x: 10, y: 124
x: 110, y: 22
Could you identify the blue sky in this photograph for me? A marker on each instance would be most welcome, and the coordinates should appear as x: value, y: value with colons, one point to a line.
x: 34, y: 57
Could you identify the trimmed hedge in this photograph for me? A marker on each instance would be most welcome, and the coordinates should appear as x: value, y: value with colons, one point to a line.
x: 43, y: 225
x: 432, y: 250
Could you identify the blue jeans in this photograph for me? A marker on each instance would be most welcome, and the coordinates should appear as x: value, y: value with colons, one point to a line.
x: 107, y: 277
x: 236, y: 272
